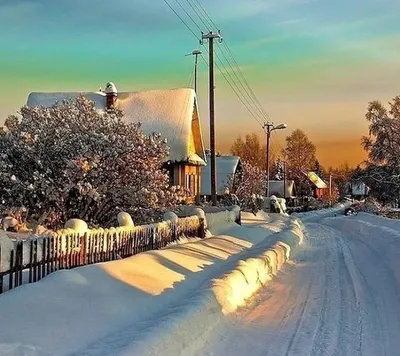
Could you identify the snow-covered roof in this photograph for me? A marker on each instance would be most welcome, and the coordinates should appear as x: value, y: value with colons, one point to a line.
x: 111, y: 88
x: 276, y: 188
x: 173, y: 113
x: 317, y: 181
x: 226, y: 167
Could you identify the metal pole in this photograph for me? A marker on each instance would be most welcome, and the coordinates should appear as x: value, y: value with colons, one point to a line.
x: 284, y: 179
x: 267, y: 163
x: 330, y: 189
x: 195, y: 72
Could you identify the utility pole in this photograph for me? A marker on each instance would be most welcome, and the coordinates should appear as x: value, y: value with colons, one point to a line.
x: 330, y: 189
x: 211, y: 36
x: 196, y: 53
x: 284, y: 179
x: 268, y: 128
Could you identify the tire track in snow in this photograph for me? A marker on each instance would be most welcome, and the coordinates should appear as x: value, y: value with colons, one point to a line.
x: 335, y: 300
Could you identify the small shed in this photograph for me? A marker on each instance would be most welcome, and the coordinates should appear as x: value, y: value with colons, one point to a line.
x: 227, y: 168
x: 282, y: 189
x: 359, y: 189
x: 320, y: 187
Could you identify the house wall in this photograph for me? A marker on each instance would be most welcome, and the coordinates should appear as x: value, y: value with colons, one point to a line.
x: 319, y: 192
x: 187, y: 176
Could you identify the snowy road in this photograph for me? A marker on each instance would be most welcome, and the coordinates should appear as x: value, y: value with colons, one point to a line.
x: 341, y: 296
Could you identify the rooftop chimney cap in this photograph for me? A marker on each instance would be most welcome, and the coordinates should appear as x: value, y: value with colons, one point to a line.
x: 111, y: 88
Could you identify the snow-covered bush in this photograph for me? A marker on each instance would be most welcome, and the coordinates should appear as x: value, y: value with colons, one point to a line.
x: 247, y: 185
x: 124, y: 219
x: 72, y: 161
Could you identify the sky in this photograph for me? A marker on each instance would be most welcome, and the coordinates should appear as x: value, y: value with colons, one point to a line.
x: 313, y: 64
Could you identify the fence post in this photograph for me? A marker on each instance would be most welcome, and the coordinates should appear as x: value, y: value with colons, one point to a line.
x: 35, y: 275
x: 82, y: 259
x: 152, y: 237
x: 21, y: 265
x: 239, y: 220
x: 201, y: 232
x: 16, y: 265
x: 31, y: 261
x: 44, y: 249
x: 10, y: 277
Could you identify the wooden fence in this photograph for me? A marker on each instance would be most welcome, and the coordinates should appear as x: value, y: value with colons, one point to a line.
x: 33, y: 259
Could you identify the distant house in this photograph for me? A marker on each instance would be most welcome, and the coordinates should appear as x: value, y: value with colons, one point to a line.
x: 359, y: 190
x: 173, y: 113
x: 320, y: 188
x: 227, y: 168
x: 282, y: 189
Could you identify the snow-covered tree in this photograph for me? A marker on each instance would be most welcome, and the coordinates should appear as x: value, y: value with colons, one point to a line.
x: 278, y: 170
x: 300, y: 156
x: 382, y: 171
x: 318, y: 169
x: 250, y: 181
x: 251, y: 150
x: 72, y: 161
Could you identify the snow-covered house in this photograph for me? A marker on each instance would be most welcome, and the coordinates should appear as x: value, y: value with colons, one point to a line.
x: 320, y: 188
x: 358, y: 190
x: 173, y: 113
x: 227, y: 168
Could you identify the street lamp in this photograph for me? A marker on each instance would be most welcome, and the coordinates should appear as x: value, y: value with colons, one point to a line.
x: 195, y: 53
x: 268, y: 128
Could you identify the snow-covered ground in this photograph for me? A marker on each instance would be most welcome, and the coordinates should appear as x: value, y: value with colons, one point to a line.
x: 105, y: 309
x: 340, y: 296
x: 337, y: 294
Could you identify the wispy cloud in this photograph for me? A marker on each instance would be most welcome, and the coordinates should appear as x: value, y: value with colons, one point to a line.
x: 268, y: 40
x: 291, y: 22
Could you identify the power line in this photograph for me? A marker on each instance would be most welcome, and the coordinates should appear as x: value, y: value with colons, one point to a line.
x: 200, y: 17
x: 188, y: 15
x: 249, y: 98
x: 207, y: 16
x: 181, y: 19
x: 236, y: 89
x: 248, y: 88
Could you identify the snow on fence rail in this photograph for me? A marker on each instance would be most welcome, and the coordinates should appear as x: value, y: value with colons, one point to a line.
x: 35, y: 258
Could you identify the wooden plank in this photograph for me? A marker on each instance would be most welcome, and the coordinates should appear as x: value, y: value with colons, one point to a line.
x: 67, y: 252
x: 56, y: 253
x: 48, y: 254
x: 10, y: 276
x: 16, y: 269
x: 39, y: 264
x: 21, y: 265
x: 31, y: 261
x: 44, y: 257
x: 35, y: 261
x: 53, y: 252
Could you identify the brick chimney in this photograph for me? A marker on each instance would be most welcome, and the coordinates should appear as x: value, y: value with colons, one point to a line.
x: 111, y: 95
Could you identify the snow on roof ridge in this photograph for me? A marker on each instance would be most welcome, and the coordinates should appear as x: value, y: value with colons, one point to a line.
x: 166, y: 111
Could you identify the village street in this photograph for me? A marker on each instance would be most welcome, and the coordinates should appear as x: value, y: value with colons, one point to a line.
x: 341, y: 296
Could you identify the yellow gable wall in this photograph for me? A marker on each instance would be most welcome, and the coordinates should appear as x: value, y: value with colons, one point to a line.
x: 195, y: 139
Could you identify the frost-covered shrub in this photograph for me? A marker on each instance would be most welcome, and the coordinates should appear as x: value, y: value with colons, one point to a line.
x: 72, y: 161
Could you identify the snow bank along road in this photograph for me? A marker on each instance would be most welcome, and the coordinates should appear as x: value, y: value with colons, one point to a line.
x: 340, y: 296
x: 134, y: 306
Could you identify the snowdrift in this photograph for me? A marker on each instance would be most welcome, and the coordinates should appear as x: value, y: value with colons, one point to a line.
x: 316, y: 215
x: 77, y: 309
x: 189, y: 324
